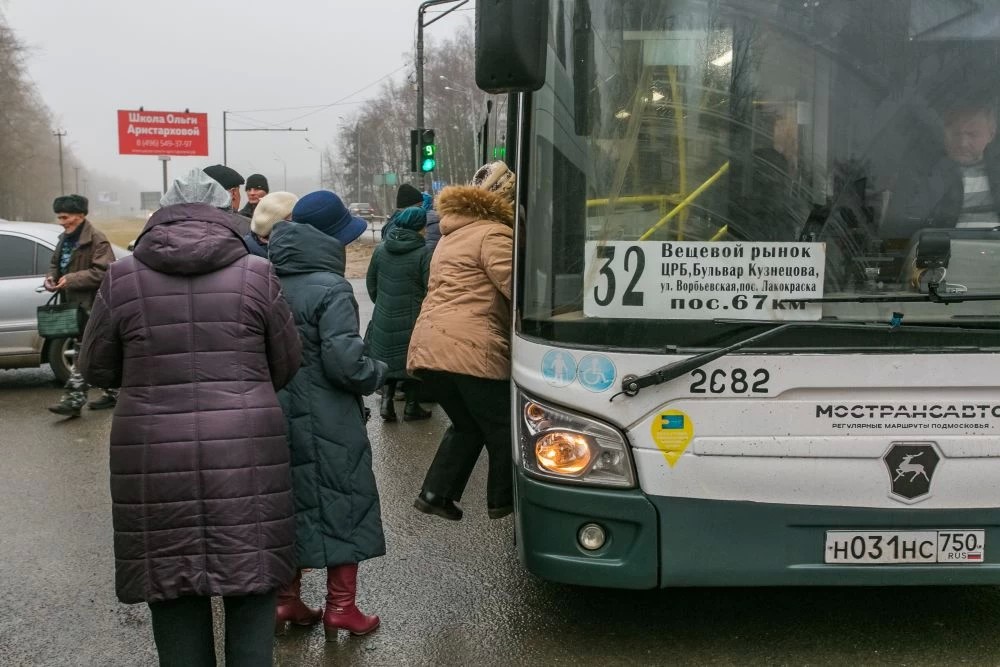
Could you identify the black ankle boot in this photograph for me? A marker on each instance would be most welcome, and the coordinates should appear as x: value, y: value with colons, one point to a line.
x: 386, y: 407
x: 413, y: 411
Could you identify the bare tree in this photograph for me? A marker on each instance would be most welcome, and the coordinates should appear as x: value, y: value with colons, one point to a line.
x: 378, y: 136
x: 29, y: 172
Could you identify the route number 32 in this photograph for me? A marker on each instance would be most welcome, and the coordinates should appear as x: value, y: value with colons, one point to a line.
x: 635, y: 263
x: 737, y: 381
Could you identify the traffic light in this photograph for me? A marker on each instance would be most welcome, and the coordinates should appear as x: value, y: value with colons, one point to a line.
x: 428, y: 151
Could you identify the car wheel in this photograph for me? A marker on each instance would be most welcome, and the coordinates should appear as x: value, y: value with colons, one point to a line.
x: 62, y: 352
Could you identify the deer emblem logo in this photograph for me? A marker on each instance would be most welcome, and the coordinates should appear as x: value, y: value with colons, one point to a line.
x: 907, y: 466
x: 911, y: 467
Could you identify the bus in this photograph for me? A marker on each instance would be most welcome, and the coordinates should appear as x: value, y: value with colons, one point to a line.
x: 757, y: 293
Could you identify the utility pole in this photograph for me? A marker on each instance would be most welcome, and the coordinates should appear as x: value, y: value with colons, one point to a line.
x: 164, y: 159
x: 62, y: 180
x: 357, y: 141
x: 76, y: 170
x: 424, y: 6
x: 226, y: 131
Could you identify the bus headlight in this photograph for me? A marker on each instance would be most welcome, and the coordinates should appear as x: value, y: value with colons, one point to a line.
x: 563, y: 452
x: 557, y: 444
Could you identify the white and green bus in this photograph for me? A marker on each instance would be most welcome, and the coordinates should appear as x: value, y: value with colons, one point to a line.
x: 757, y: 300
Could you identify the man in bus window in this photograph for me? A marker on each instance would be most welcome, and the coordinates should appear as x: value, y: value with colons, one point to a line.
x: 961, y: 187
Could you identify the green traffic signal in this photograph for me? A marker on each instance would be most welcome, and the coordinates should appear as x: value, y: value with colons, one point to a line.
x: 428, y: 151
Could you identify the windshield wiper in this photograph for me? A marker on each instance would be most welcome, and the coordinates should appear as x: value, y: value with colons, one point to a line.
x: 933, y: 295
x: 632, y: 384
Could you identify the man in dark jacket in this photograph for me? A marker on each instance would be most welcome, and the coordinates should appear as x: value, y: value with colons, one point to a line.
x: 957, y: 188
x: 231, y: 180
x: 80, y: 259
x: 198, y: 336
x: 256, y: 188
x: 337, y: 510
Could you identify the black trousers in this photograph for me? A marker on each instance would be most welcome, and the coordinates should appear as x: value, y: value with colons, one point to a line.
x: 182, y: 629
x: 479, y: 410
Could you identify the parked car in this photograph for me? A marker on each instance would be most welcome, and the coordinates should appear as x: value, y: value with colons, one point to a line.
x: 363, y: 210
x: 25, y: 251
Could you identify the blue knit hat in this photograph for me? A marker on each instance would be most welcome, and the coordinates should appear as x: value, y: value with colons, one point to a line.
x: 413, y: 219
x: 326, y: 212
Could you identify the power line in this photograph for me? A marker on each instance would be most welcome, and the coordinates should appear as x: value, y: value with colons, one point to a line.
x: 320, y: 107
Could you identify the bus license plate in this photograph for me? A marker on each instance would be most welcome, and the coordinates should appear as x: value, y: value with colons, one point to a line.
x: 905, y: 546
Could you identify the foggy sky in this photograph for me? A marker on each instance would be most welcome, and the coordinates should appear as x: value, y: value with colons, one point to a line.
x: 90, y: 58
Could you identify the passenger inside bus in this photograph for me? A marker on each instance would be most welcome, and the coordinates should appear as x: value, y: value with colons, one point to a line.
x: 959, y: 186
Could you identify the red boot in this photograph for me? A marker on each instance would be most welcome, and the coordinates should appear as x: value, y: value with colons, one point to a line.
x: 341, y: 612
x: 291, y: 609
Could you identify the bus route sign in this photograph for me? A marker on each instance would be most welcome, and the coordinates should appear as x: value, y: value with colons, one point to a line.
x: 703, y: 280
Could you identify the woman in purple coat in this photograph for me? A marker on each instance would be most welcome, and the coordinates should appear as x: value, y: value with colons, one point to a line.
x: 197, y: 334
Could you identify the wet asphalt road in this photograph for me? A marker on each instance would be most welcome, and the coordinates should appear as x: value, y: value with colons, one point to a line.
x: 448, y: 594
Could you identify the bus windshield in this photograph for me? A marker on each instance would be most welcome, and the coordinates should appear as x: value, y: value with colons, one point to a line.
x: 695, y: 163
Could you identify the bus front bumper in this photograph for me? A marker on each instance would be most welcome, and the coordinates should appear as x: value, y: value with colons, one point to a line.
x: 656, y: 541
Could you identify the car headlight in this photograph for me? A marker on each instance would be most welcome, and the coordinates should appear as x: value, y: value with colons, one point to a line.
x: 557, y: 444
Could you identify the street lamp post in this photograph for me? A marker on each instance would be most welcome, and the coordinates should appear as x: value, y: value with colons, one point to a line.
x: 472, y: 102
x: 284, y: 168
x: 59, y: 134
x: 424, y: 6
x: 314, y: 147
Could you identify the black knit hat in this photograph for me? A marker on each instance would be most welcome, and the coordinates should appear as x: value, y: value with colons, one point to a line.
x: 71, y: 204
x: 257, y: 181
x: 407, y: 196
x: 225, y: 176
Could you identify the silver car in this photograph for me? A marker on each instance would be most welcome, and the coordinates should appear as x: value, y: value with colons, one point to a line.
x: 25, y: 251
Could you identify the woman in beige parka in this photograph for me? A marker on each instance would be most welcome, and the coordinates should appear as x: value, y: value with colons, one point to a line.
x: 461, y: 342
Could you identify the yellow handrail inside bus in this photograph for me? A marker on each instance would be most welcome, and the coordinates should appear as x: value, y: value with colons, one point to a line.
x: 638, y: 199
x: 678, y: 106
x: 687, y: 201
x: 723, y: 230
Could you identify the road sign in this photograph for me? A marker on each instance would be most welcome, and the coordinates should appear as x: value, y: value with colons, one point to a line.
x: 162, y: 133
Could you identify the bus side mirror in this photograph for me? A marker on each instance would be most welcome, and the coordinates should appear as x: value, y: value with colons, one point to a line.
x: 511, y: 42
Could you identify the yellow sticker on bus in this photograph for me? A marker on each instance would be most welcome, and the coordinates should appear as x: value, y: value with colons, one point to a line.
x: 672, y: 432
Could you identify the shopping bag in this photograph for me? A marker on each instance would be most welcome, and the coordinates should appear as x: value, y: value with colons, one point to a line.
x: 61, y: 320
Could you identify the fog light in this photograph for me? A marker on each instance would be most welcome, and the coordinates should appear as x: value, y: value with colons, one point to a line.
x: 591, y: 537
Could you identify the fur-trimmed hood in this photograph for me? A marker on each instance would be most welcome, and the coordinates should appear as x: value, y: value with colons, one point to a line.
x: 461, y: 205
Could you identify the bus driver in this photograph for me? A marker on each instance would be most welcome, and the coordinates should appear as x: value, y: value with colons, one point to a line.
x: 958, y: 189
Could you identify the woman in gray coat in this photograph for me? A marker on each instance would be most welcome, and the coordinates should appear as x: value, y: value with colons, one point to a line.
x: 338, y: 520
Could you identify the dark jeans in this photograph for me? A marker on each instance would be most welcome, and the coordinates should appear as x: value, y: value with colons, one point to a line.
x: 479, y: 410
x: 182, y: 629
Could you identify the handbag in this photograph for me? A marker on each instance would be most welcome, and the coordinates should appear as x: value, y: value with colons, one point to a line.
x: 61, y: 320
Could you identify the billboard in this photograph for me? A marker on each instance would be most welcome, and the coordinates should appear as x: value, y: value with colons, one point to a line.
x: 162, y: 133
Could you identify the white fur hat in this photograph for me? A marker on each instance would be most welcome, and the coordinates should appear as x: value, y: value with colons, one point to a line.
x: 272, y: 208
